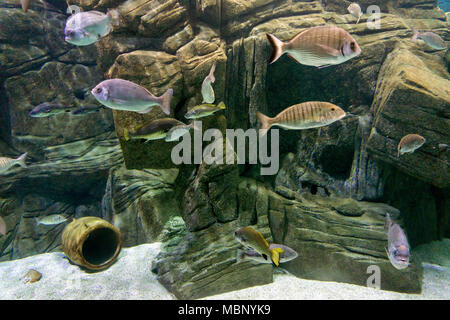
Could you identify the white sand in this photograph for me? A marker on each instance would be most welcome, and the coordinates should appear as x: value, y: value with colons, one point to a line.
x: 131, y: 278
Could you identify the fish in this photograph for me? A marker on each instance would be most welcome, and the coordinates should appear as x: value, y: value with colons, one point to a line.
x: 249, y: 237
x: 176, y: 132
x: 25, y: 5
x: 287, y: 255
x: 47, y: 109
x: 442, y: 146
x: 410, y: 143
x: 430, y: 38
x: 207, y: 89
x: 302, y: 116
x: 204, y: 110
x: 2, y: 227
x: 155, y: 130
x: 51, y: 220
x: 7, y: 163
x: 320, y: 46
x: 86, y: 28
x: 355, y: 10
x: 81, y: 111
x: 32, y: 276
x: 125, y: 95
x: 398, y: 247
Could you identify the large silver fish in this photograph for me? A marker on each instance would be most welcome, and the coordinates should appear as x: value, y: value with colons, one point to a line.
x: 398, y: 247
x: 85, y: 28
x: 317, y: 46
x: 47, y: 109
x: 286, y: 255
x: 125, y: 95
x: 430, y: 38
x: 7, y: 163
x: 207, y: 89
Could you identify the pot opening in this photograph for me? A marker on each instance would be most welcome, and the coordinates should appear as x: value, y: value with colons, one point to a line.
x: 100, y: 246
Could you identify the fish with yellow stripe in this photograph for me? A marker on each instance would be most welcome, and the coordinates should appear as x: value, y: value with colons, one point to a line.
x: 251, y: 238
x: 302, y: 116
x: 320, y: 46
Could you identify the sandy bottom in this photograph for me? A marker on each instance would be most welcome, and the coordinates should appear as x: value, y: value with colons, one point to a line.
x: 131, y: 278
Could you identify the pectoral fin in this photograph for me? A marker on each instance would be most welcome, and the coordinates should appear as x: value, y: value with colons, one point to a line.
x: 276, y: 257
x: 330, y: 51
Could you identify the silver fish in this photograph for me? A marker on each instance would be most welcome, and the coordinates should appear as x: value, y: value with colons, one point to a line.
x: 125, y: 95
x: 207, y: 89
x: 287, y: 255
x: 175, y: 133
x: 2, y: 227
x: 398, y: 247
x: 355, y: 10
x: 52, y: 219
x: 317, y: 46
x: 47, y: 109
x: 410, y: 143
x: 85, y: 28
x: 7, y: 163
x: 430, y: 38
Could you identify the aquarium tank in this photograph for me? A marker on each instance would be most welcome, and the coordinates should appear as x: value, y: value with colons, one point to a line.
x: 224, y: 149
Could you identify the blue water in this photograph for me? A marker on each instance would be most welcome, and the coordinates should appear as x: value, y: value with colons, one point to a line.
x: 444, y: 5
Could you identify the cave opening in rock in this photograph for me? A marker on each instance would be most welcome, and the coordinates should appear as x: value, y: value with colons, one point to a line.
x: 337, y: 161
x: 100, y: 246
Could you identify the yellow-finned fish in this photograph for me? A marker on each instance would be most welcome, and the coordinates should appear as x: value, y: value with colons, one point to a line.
x: 410, y: 143
x: 249, y: 237
x: 204, y: 110
x: 320, y: 46
x: 305, y: 115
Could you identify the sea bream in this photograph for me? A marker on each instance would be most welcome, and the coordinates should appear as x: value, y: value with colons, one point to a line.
x: 85, y: 28
x: 430, y: 38
x: 154, y: 130
x: 317, y: 46
x: 355, y: 10
x: 301, y: 116
x: 410, y: 143
x: 398, y: 247
x: 7, y: 163
x: 47, y: 109
x: 125, y: 95
x: 287, y: 255
x: 207, y: 89
x: 251, y: 238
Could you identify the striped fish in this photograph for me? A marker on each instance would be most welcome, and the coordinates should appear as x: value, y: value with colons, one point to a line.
x: 410, y: 143
x: 301, y: 116
x: 317, y: 46
x: 7, y: 163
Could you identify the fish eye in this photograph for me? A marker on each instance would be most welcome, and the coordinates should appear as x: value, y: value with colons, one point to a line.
x: 332, y: 109
x: 352, y: 46
x: 98, y: 90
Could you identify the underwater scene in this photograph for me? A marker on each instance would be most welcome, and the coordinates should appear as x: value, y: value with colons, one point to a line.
x: 224, y: 150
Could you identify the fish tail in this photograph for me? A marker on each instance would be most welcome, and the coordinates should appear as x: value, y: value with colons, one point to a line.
x: 165, y: 101
x: 221, y: 105
x: 126, y: 134
x: 265, y: 122
x: 415, y: 34
x: 359, y: 19
x: 211, y: 73
x: 21, y: 160
x: 115, y: 17
x: 276, y: 257
x: 277, y: 46
x: 388, y: 221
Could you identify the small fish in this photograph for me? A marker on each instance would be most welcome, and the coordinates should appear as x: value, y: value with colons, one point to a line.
x: 175, y: 133
x: 32, y: 276
x: 125, y: 95
x: 431, y: 39
x: 442, y: 146
x: 2, y: 227
x: 85, y: 28
x: 204, y: 110
x: 7, y: 163
x: 410, y: 143
x: 154, y: 130
x: 398, y: 247
x: 317, y: 46
x: 355, y: 10
x: 287, y: 255
x: 81, y: 111
x: 207, y: 89
x: 47, y: 109
x: 52, y: 219
x: 248, y: 237
x: 25, y: 5
x: 303, y: 116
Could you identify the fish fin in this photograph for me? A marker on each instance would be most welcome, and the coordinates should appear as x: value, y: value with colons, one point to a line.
x: 126, y: 134
x: 330, y: 50
x: 265, y: 122
x: 292, y: 57
x: 115, y: 17
x: 277, y: 46
x: 166, y: 98
x: 21, y: 160
x: 279, y: 250
x: 358, y: 19
x: 262, y: 238
x: 146, y: 110
x: 415, y: 34
x: 276, y: 257
x: 221, y: 105
x: 265, y: 256
x: 211, y: 73
x: 324, y: 66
